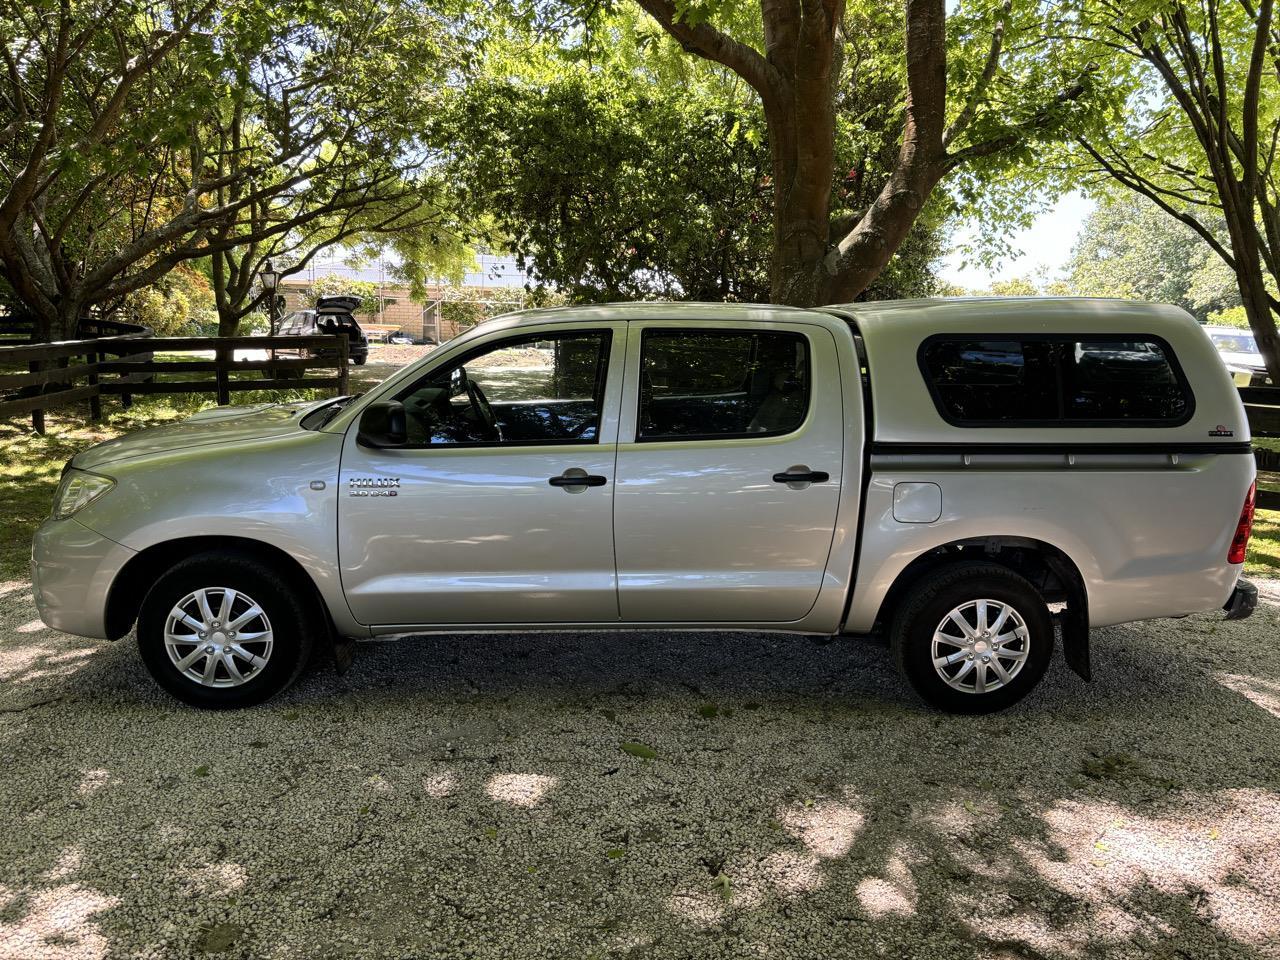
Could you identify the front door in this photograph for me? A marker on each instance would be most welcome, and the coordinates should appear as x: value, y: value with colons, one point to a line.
x: 729, y: 471
x: 499, y: 508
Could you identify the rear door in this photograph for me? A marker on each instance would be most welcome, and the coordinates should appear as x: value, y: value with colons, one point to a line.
x: 729, y: 470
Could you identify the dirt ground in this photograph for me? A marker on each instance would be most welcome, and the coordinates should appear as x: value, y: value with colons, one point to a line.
x: 654, y: 795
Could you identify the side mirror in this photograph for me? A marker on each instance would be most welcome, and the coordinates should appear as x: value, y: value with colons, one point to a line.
x: 382, y: 424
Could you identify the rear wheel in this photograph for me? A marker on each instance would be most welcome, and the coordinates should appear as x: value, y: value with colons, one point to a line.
x: 973, y: 638
x: 222, y: 629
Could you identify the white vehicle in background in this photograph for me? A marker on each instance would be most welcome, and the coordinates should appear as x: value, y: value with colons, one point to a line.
x: 1239, y: 351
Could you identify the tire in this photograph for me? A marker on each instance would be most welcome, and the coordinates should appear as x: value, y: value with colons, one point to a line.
x: 281, y: 636
x: 359, y: 361
x: 963, y: 588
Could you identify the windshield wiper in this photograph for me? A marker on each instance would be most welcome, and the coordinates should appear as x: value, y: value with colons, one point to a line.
x: 328, y: 413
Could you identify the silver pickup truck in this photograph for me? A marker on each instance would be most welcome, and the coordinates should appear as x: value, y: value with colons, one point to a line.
x: 964, y: 478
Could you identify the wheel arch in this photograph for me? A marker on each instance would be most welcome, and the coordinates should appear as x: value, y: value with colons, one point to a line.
x: 134, y: 581
x: 1049, y: 568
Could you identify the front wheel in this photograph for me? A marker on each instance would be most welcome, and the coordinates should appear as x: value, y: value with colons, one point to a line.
x: 223, y: 629
x: 973, y: 638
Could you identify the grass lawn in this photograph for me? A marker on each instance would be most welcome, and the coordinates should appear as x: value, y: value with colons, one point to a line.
x: 30, y: 466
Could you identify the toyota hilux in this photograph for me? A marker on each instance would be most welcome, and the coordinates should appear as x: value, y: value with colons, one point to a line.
x: 969, y: 479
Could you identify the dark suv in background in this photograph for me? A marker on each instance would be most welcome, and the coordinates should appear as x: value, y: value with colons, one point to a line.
x: 331, y: 315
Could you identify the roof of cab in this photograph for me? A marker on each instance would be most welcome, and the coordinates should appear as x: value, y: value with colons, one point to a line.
x: 978, y: 314
x: 649, y: 309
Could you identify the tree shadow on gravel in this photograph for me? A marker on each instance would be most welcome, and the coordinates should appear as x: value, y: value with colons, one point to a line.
x: 654, y: 795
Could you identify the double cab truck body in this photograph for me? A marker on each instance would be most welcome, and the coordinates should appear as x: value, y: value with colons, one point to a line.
x: 957, y: 476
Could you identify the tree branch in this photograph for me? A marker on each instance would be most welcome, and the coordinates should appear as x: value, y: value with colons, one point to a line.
x: 711, y: 44
x: 984, y: 80
x: 1152, y: 193
x: 861, y: 254
x: 1018, y: 133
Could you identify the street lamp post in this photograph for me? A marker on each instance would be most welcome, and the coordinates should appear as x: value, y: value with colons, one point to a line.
x: 270, y: 281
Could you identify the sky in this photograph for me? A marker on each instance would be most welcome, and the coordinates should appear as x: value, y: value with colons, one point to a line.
x: 1046, y: 243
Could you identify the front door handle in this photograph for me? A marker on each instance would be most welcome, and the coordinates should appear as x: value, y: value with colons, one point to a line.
x: 577, y: 479
x: 799, y: 477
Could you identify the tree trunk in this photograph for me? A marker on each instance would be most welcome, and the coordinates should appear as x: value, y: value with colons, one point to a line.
x: 812, y: 266
x: 1242, y: 228
x: 801, y: 123
x: 228, y: 321
x: 1262, y: 318
x: 70, y: 313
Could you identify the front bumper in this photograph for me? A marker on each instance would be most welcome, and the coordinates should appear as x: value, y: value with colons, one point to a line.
x: 72, y: 569
x: 1242, y: 602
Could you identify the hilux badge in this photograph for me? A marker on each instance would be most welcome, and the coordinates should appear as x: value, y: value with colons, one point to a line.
x: 373, y: 486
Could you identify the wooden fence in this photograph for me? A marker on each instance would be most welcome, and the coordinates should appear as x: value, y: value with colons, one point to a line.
x: 118, y: 359
x: 1262, y: 404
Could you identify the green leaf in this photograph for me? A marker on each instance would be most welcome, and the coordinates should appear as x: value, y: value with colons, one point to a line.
x: 218, y: 937
x: 639, y: 750
x: 615, y: 854
x: 725, y: 885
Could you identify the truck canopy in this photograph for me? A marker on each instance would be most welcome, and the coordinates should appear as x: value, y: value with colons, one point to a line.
x: 1043, y: 371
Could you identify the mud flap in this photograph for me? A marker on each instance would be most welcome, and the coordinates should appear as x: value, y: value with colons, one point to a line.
x: 344, y: 654
x: 1075, y: 640
x: 1074, y: 620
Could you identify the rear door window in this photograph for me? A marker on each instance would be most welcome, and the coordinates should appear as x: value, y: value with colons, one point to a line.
x: 1055, y: 380
x: 713, y: 384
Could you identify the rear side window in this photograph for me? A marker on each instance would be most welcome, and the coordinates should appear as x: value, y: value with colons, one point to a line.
x: 699, y: 384
x: 1056, y: 380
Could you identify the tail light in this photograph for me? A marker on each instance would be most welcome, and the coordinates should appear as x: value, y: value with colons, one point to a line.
x: 1240, y: 543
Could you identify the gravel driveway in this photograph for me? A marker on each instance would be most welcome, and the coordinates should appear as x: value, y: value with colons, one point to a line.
x: 475, y: 797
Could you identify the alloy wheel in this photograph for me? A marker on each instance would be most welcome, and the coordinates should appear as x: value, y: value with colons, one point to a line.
x: 218, y: 637
x: 980, y: 646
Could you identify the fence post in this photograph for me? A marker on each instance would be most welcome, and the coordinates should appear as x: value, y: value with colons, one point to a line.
x: 95, y: 400
x: 220, y: 375
x: 37, y: 416
x: 344, y: 372
x: 126, y: 398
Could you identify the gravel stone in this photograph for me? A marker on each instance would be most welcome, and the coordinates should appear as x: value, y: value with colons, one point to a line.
x: 471, y: 796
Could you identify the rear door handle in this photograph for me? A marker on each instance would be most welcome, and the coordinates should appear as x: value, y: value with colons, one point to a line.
x: 577, y: 477
x: 801, y: 475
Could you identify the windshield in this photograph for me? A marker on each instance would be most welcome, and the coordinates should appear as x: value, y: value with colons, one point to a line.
x: 1234, y: 342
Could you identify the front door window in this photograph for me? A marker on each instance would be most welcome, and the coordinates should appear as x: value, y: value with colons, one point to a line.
x: 529, y: 390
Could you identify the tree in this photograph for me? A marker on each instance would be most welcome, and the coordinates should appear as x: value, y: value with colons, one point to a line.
x: 628, y: 170
x: 1195, y: 90
x: 145, y: 135
x: 1130, y: 248
x: 609, y: 191
x: 180, y: 302
x: 798, y: 55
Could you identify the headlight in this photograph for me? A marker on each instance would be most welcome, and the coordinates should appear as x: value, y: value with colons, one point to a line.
x: 77, y: 490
